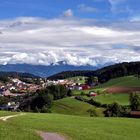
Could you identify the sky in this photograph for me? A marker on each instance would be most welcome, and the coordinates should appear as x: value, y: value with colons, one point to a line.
x: 77, y: 32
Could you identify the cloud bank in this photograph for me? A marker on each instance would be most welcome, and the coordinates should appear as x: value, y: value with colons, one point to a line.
x: 71, y: 41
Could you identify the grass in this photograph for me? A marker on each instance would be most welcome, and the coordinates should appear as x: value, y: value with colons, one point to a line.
x: 74, y: 127
x: 120, y: 98
x: 127, y: 81
x: 78, y: 79
x: 72, y: 106
x: 78, y: 92
x: 7, y: 113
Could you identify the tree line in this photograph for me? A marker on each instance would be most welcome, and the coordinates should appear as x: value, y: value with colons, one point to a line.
x: 104, y: 74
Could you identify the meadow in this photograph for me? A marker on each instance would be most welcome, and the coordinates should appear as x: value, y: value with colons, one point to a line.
x: 73, y: 127
x: 126, y: 81
x: 120, y: 98
x: 70, y: 118
x: 71, y: 106
x: 108, y: 98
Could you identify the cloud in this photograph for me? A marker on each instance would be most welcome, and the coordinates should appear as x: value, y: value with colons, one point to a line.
x: 68, y: 13
x: 119, y: 6
x: 135, y: 18
x: 85, y: 8
x: 74, y: 41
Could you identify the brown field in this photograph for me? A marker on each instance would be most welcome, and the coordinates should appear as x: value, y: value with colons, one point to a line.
x: 122, y: 89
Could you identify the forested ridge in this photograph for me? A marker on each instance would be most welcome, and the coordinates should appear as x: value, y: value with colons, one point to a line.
x: 104, y: 74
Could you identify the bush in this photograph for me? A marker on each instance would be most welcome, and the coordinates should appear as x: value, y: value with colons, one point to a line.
x: 82, y: 93
x: 45, y: 110
x: 95, y: 103
x: 92, y: 112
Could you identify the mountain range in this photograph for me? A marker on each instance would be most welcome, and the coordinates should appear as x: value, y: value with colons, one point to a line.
x: 43, y: 71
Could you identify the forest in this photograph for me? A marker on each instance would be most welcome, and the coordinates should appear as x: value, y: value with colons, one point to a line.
x: 104, y: 74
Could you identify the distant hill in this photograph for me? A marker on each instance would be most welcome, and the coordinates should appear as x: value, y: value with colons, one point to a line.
x: 104, y: 74
x: 43, y: 71
x: 61, y: 70
x: 18, y: 74
x: 22, y: 76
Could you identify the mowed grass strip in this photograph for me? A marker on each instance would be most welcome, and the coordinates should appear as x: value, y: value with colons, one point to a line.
x: 81, y: 128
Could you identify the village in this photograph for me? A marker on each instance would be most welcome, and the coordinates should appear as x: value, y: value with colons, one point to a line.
x: 16, y: 87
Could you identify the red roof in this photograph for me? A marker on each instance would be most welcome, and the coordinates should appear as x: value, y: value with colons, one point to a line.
x: 135, y: 114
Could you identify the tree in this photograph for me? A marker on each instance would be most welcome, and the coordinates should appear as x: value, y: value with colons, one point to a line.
x: 40, y: 101
x: 134, y: 102
x: 58, y: 91
x: 138, y: 73
x: 82, y: 93
x: 4, y: 100
x: 69, y: 93
x: 92, y: 80
x: 113, y: 110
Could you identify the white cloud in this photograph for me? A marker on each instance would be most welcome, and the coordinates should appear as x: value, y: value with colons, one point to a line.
x: 75, y: 41
x: 85, y: 8
x: 68, y: 13
x: 118, y: 6
x: 135, y: 18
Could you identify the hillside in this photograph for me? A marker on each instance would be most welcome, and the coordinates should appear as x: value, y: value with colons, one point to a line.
x: 15, y: 74
x: 104, y: 74
x: 73, y: 127
x: 77, y: 79
x: 126, y: 81
x: 119, y: 86
x: 70, y: 106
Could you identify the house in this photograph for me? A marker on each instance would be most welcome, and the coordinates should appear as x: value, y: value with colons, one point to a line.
x: 85, y: 87
x: 92, y: 93
x: 7, y: 93
x: 78, y: 88
x: 135, y: 114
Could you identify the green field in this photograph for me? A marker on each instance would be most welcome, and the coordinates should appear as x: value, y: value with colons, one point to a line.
x: 120, y: 98
x: 72, y: 106
x: 78, y: 79
x: 73, y: 127
x: 3, y: 113
x: 70, y: 118
x: 127, y: 81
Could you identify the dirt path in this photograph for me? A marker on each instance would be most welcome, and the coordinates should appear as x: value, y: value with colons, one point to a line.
x: 5, y: 118
x: 50, y: 136
x: 43, y: 135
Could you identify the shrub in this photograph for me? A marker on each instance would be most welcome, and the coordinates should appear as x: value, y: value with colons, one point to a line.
x: 82, y: 93
x: 92, y: 112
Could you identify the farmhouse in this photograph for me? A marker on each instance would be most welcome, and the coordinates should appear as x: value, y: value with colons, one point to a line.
x: 135, y: 114
x: 92, y: 93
